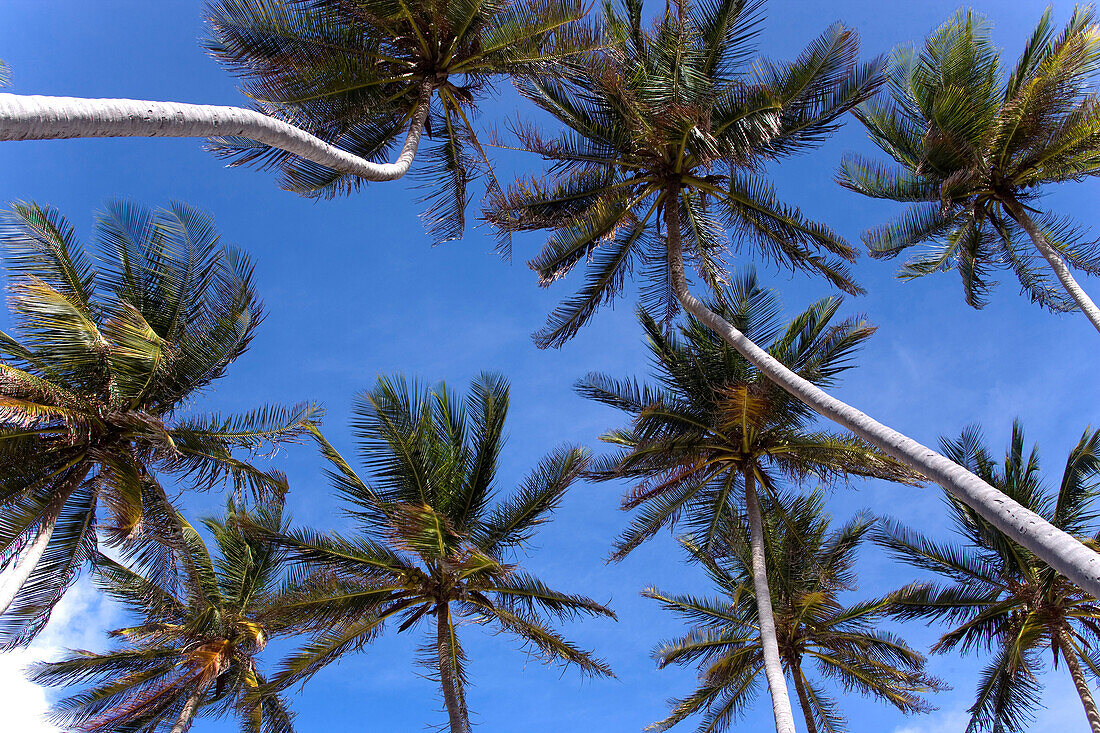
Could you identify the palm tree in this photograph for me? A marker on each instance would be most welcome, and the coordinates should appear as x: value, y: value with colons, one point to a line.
x: 335, y: 84
x: 95, y: 392
x: 975, y: 150
x: 435, y: 538
x: 715, y: 427
x: 809, y: 567
x: 672, y: 127
x: 1000, y: 597
x: 193, y: 650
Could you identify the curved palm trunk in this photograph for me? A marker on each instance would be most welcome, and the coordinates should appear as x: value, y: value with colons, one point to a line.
x: 803, y: 697
x: 1058, y: 549
x: 1080, y: 297
x: 183, y: 723
x: 52, y: 118
x: 28, y: 559
x: 773, y: 664
x: 1070, y: 655
x: 448, y: 679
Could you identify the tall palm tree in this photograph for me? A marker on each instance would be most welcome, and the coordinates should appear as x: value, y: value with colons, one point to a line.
x: 195, y: 649
x: 809, y: 568
x: 714, y: 427
x: 1000, y: 597
x: 974, y: 151
x: 335, y: 84
x: 672, y: 127
x: 435, y: 538
x: 96, y: 382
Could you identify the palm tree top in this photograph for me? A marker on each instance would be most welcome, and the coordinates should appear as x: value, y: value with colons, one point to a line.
x: 677, y: 117
x: 973, y: 144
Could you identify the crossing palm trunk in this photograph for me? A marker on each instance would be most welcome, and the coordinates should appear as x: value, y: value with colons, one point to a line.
x: 1064, y: 553
x: 448, y: 678
x: 53, y: 118
x: 1057, y: 264
x: 803, y: 697
x: 773, y: 664
x: 183, y: 723
x: 1079, y: 681
x: 28, y: 559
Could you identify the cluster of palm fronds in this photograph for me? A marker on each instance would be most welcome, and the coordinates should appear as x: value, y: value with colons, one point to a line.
x: 667, y: 126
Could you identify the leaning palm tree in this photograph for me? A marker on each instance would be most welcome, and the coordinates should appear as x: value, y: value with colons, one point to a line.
x: 335, y: 84
x: 714, y: 428
x: 974, y: 151
x: 435, y: 539
x: 96, y: 382
x: 1001, y: 598
x: 671, y: 127
x: 195, y: 650
x: 809, y: 568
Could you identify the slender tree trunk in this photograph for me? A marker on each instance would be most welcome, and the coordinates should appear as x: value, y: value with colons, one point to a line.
x: 183, y: 723
x: 51, y: 118
x: 1061, y: 269
x: 773, y: 664
x: 448, y: 679
x: 1070, y: 655
x: 1058, y: 549
x: 28, y: 559
x: 803, y: 697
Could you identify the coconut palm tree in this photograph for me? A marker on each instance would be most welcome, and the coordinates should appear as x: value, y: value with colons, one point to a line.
x: 714, y: 428
x: 809, y: 568
x: 96, y: 382
x: 435, y: 540
x: 335, y: 84
x: 974, y: 151
x: 195, y: 649
x: 672, y: 127
x: 1001, y: 598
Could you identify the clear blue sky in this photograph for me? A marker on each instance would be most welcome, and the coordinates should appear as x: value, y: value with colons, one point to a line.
x: 353, y: 288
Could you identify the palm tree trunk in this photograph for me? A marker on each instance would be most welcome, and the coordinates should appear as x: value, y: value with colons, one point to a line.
x: 52, y: 118
x: 452, y: 698
x: 183, y: 723
x: 28, y: 559
x: 1064, y: 553
x: 1080, y: 297
x: 803, y: 697
x: 773, y: 664
x: 1070, y: 655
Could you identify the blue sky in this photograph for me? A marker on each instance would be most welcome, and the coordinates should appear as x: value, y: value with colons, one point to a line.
x: 354, y: 288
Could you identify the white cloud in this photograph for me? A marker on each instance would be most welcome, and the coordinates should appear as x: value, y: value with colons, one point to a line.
x: 77, y: 622
x: 941, y: 722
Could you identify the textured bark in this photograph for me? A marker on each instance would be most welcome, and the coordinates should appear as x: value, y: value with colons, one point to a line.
x: 183, y: 723
x: 53, y: 118
x: 1058, y: 549
x: 456, y: 709
x: 1061, y: 269
x: 773, y: 663
x: 28, y: 559
x: 803, y: 697
x: 1070, y: 655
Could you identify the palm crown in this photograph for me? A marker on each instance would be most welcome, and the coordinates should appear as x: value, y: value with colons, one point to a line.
x: 712, y: 417
x: 435, y: 537
x: 809, y: 568
x: 102, y: 362
x: 675, y: 122
x: 196, y: 647
x: 356, y: 73
x: 974, y: 150
x: 998, y: 596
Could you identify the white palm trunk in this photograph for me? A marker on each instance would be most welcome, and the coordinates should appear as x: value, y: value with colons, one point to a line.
x: 54, y: 118
x: 773, y: 663
x: 25, y: 563
x: 183, y: 723
x: 1064, y: 553
x: 1057, y: 264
